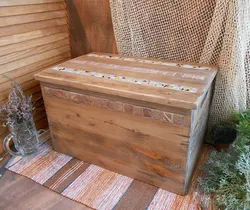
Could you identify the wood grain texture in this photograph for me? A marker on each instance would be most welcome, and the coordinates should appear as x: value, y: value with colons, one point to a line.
x: 20, y: 19
x: 7, y: 3
x: 16, y: 38
x: 27, y: 45
x: 181, y: 98
x: 27, y: 27
x: 35, y: 58
x: 33, y: 35
x: 32, y: 8
x: 29, y: 52
x: 146, y: 132
x: 197, y: 131
x: 18, y: 192
x: 126, y: 144
x: 40, y: 65
x: 90, y: 27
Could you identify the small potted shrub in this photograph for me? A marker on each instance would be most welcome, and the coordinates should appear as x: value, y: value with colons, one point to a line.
x: 223, y: 135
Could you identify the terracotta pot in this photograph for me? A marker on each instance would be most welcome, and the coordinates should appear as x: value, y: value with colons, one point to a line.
x: 222, y: 147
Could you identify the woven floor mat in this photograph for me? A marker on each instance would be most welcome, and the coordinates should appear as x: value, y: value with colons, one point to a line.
x: 97, y: 187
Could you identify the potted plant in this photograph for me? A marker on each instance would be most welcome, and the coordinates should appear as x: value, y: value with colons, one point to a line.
x: 223, y: 135
x: 17, y: 114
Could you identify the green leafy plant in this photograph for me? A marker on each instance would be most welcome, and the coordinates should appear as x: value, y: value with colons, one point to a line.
x: 226, y: 175
x: 243, y: 128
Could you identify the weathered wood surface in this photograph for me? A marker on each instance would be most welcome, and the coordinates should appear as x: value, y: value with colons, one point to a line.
x: 131, y: 145
x: 196, y: 79
x: 152, y: 143
x: 198, y: 129
x: 33, y: 35
x: 7, y: 3
x: 18, y: 192
x: 90, y: 27
x: 98, y: 112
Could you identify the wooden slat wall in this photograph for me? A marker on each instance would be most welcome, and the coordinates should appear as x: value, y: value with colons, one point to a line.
x: 90, y: 26
x: 33, y: 35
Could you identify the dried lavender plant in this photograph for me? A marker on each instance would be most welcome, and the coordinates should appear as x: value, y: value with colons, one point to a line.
x: 18, y: 107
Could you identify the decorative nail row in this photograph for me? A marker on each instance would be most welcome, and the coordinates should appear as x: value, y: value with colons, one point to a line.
x: 127, y: 79
x: 138, y: 69
x: 148, y: 113
x: 139, y: 60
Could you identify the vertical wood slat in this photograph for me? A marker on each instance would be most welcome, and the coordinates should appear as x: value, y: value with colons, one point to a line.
x: 33, y: 36
x: 90, y: 27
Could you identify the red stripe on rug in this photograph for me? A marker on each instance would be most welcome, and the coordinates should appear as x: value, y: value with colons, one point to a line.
x: 66, y: 175
x: 98, y: 188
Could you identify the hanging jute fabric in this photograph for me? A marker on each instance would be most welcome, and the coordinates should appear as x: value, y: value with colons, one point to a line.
x: 206, y: 31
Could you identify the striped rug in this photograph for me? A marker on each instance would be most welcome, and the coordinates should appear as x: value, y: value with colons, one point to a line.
x: 97, y: 187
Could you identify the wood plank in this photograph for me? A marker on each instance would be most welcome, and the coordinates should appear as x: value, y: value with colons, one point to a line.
x: 32, y: 35
x: 121, y: 167
x: 29, y: 88
x: 199, y: 84
x: 197, y: 140
x: 33, y: 59
x: 26, y: 78
x: 20, y: 19
x: 38, y: 103
x: 25, y: 86
x: 177, y: 134
x: 32, y: 8
x: 143, y: 66
x: 40, y: 114
x: 22, y: 46
x: 40, y: 65
x: 112, y: 123
x: 101, y: 127
x: 31, y: 195
x: 122, y: 150
x: 127, y: 140
x: 144, y: 93
x: 161, y: 87
x: 32, y: 50
x: 27, y: 27
x: 6, y: 3
x: 42, y: 123
x: 22, y: 79
x: 90, y: 27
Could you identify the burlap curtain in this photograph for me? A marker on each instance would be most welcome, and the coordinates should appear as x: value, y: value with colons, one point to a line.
x: 205, y: 31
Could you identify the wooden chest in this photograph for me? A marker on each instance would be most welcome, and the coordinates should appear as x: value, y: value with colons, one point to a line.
x: 144, y: 118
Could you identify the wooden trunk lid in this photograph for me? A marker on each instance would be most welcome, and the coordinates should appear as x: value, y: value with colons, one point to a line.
x: 149, y: 80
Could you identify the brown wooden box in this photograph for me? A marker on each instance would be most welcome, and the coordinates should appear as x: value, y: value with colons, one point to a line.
x: 144, y: 118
